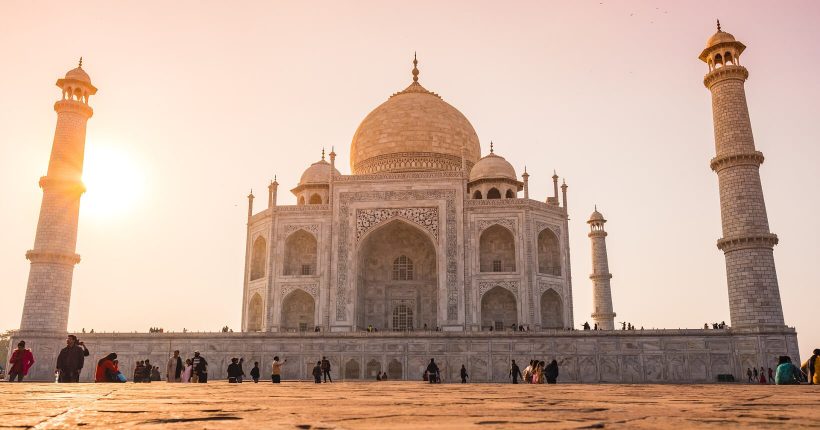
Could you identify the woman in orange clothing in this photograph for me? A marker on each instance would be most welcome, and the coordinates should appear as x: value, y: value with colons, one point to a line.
x: 107, y: 370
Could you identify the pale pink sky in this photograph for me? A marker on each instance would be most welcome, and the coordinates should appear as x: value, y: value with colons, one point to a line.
x: 210, y: 99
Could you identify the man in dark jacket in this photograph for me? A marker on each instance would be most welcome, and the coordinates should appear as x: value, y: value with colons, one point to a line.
x: 551, y: 372
x: 432, y: 372
x: 200, y: 367
x: 234, y: 371
x: 515, y: 372
x: 70, y: 361
x: 326, y: 369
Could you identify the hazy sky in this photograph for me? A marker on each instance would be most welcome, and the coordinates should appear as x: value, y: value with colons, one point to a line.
x: 200, y: 101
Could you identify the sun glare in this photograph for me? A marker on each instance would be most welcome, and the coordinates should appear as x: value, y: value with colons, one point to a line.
x: 114, y: 181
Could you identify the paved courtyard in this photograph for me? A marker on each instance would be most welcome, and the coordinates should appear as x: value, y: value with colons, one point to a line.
x: 394, y: 405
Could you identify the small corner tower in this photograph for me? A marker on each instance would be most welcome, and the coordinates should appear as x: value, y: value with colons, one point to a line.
x: 601, y: 291
x: 754, y: 295
x: 53, y: 257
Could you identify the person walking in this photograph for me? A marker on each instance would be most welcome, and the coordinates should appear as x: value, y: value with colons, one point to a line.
x: 200, y: 368
x: 255, y: 372
x: 276, y: 369
x: 515, y: 372
x: 241, y: 370
x: 317, y: 372
x: 234, y: 371
x: 326, y: 369
x: 464, y: 374
x: 762, y: 375
x: 551, y: 372
x: 749, y: 375
x: 173, y: 370
x: 528, y: 373
x: 185, y: 377
x: 432, y: 372
x: 107, y: 370
x: 812, y: 367
x: 21, y: 361
x: 538, y: 374
x: 71, y: 359
x: 771, y: 375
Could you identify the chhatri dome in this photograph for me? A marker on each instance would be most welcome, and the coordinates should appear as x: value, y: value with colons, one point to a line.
x: 414, y: 130
x: 492, y: 166
x: 318, y: 172
x: 78, y: 74
x: 719, y: 37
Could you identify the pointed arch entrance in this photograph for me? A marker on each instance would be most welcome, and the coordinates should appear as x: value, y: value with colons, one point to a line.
x: 499, y: 310
x: 552, y: 310
x: 255, y: 313
x: 298, y: 309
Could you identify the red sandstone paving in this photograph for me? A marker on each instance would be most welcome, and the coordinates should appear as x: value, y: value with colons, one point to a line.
x: 398, y: 405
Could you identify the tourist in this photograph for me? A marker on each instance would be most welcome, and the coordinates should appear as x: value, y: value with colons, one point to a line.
x: 138, y: 367
x: 241, y: 370
x: 148, y: 372
x: 317, y: 372
x: 107, y: 369
x: 528, y: 373
x: 384, y: 376
x: 185, y: 377
x: 21, y: 361
x: 787, y: 372
x: 762, y: 375
x: 749, y: 375
x: 326, y: 369
x: 379, y: 375
x: 538, y: 374
x: 234, y: 371
x: 432, y: 372
x: 200, y: 368
x: 812, y: 367
x: 464, y: 374
x: 551, y: 372
x: 71, y: 359
x: 155, y: 376
x: 255, y: 372
x: 771, y: 375
x: 756, y: 380
x: 515, y: 372
x: 276, y: 369
x: 586, y: 326
x: 174, y: 368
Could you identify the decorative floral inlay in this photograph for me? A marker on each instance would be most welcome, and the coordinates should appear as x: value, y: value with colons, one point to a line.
x: 511, y: 286
x: 426, y: 218
x: 312, y: 289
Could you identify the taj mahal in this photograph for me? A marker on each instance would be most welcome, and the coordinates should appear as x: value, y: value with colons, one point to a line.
x: 433, y: 247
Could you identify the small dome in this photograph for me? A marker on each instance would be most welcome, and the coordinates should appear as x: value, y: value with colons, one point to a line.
x: 78, y: 74
x: 317, y: 173
x: 596, y: 217
x: 492, y: 167
x: 719, y: 37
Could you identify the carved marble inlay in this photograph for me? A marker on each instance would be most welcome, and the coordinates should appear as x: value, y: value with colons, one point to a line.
x: 541, y: 226
x: 511, y: 286
x: 312, y: 228
x: 312, y: 289
x: 546, y: 284
x: 504, y: 222
x: 367, y: 219
x: 344, y: 247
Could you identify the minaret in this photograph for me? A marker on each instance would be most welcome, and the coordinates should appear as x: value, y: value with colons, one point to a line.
x: 53, y: 258
x: 754, y: 296
x: 601, y: 291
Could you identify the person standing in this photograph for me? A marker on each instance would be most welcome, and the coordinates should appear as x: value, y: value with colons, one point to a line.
x: 464, y: 374
x: 185, y: 377
x: 276, y: 369
x: 762, y: 375
x: 528, y: 373
x: 771, y: 375
x: 326, y: 369
x: 71, y: 359
x: 317, y: 372
x: 432, y: 371
x: 200, y: 368
x: 551, y: 372
x: 812, y: 367
x: 21, y: 361
x: 255, y: 372
x: 749, y: 375
x: 241, y: 370
x: 515, y: 372
x: 173, y: 370
x: 234, y: 371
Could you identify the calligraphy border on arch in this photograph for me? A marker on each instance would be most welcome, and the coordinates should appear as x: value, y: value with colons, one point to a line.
x: 511, y: 286
x: 346, y: 198
x: 312, y: 289
x: 424, y: 217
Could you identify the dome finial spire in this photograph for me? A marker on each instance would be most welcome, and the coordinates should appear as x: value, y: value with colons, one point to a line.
x: 718, y: 23
x: 323, y: 154
x: 415, y: 68
x: 81, y: 63
x: 491, y: 147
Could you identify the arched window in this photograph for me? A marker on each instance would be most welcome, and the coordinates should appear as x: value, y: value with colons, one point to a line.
x: 258, y: 258
x: 255, y: 313
x: 498, y: 309
x: 718, y: 61
x: 394, y: 370
x: 549, y: 253
x: 352, y: 370
x: 402, y: 317
x: 402, y: 269
x: 373, y: 367
x: 301, y: 200
x: 315, y: 199
x: 728, y: 58
x: 510, y: 194
x: 300, y: 254
x: 552, y: 310
x: 497, y: 250
x: 477, y: 195
x: 493, y: 193
x: 298, y: 310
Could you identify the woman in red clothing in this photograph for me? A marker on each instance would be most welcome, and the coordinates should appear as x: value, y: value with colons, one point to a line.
x: 107, y: 370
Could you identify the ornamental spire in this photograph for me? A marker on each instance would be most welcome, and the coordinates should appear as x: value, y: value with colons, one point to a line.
x: 718, y: 23
x: 81, y: 63
x: 491, y: 147
x: 323, y: 154
x: 415, y: 68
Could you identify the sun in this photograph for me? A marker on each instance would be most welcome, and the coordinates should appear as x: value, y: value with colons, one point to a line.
x: 113, y: 179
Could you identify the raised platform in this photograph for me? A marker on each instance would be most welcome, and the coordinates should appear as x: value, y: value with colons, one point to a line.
x: 640, y: 356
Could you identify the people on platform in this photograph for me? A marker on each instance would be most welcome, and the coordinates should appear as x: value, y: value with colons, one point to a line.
x: 326, y: 370
x: 812, y: 367
x: 586, y: 325
x: 70, y: 360
x: 787, y: 372
x: 108, y: 370
x: 174, y: 368
x: 317, y: 372
x: 551, y: 372
x: 200, y: 368
x: 255, y: 372
x: 463, y: 374
x: 276, y: 369
x: 20, y: 362
x: 432, y: 372
x: 515, y: 372
x: 234, y: 371
x: 187, y: 371
x: 155, y: 375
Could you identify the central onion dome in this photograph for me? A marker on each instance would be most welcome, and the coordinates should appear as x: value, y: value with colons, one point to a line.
x: 414, y: 130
